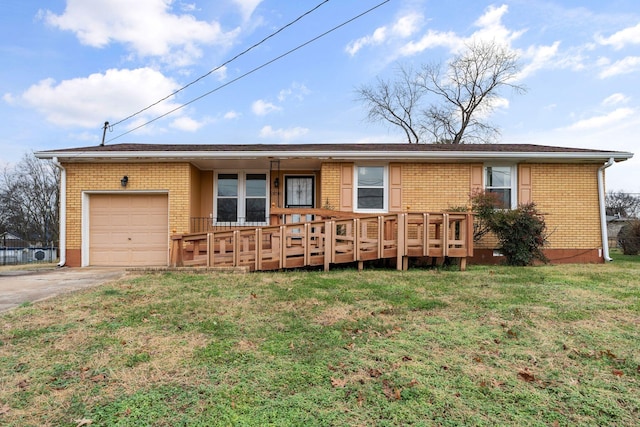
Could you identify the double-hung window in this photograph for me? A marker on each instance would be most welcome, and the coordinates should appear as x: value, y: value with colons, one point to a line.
x: 241, y: 198
x: 371, y: 188
x: 500, y: 180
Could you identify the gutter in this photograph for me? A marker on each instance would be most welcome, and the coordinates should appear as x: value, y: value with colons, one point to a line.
x: 603, y: 213
x: 364, y: 154
x: 63, y: 212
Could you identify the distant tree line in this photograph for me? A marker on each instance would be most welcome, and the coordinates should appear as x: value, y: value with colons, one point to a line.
x: 624, y: 205
x: 29, y: 201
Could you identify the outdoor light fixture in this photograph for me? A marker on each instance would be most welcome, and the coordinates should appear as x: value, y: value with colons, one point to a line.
x: 124, y: 181
x: 276, y: 182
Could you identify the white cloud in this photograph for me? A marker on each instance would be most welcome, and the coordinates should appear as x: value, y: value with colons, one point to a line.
x: 539, y: 57
x: 147, y: 27
x: 599, y: 122
x: 616, y: 98
x: 620, y: 39
x: 262, y: 108
x: 405, y: 26
x: 221, y: 73
x: 627, y: 65
x: 188, y: 7
x: 431, y: 40
x: 187, y: 124
x: 296, y: 90
x: 88, y: 102
x: 284, y: 134
x: 231, y: 115
x: 378, y: 37
x: 247, y: 7
x: 490, y: 28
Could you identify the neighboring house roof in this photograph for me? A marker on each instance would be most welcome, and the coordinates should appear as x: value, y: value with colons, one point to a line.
x: 9, y: 236
x: 424, y: 152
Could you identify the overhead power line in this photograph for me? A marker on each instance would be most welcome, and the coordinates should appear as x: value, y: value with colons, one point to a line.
x: 300, y: 46
x: 223, y: 64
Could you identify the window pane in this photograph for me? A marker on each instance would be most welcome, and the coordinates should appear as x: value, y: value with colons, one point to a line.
x: 227, y: 210
x: 499, y: 176
x: 370, y: 176
x: 256, y: 210
x: 256, y: 184
x: 503, y: 196
x: 370, y: 198
x: 228, y: 185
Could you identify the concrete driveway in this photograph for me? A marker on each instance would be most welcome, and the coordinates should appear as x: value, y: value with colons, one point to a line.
x: 20, y: 286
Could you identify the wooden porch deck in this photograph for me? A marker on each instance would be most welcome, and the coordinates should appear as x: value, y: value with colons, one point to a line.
x: 331, y: 241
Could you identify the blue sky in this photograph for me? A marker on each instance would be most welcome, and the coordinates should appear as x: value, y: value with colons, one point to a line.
x: 69, y: 66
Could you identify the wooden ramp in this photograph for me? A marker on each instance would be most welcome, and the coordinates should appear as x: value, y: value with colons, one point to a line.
x: 334, y: 241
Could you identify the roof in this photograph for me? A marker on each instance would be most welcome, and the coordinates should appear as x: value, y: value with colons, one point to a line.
x: 169, y: 152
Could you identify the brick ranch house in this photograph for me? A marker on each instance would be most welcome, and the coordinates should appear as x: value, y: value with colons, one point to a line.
x: 120, y: 204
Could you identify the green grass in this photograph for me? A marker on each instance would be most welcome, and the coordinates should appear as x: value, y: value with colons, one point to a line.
x: 548, y: 345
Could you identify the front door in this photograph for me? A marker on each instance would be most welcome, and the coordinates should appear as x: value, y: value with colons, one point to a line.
x: 299, y: 192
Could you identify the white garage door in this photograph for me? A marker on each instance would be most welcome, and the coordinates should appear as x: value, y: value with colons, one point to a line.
x: 128, y: 230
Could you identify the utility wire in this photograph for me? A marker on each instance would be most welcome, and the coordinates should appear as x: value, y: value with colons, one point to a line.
x: 223, y: 64
x: 253, y: 70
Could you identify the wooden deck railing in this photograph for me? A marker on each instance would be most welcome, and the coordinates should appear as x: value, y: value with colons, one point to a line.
x: 331, y: 241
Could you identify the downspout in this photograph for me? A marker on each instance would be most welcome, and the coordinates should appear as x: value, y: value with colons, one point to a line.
x: 63, y: 212
x: 603, y: 212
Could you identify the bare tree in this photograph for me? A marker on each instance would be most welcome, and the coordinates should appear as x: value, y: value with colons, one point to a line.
x: 623, y: 204
x: 29, y: 200
x: 463, y: 92
x: 395, y: 102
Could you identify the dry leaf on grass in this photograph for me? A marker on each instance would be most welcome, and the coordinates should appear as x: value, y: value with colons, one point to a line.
x: 526, y: 376
x: 392, y: 393
x: 83, y: 422
x: 98, y: 378
x: 375, y: 373
x: 338, y: 383
x: 4, y: 409
x: 617, y: 372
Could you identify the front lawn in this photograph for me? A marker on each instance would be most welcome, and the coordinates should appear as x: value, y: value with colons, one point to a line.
x: 549, y: 345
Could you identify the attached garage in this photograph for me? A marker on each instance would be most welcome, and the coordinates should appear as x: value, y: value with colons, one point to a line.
x: 128, y: 230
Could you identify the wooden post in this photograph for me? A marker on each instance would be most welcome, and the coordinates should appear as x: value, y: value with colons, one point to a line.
x: 283, y: 246
x: 400, y: 242
x: 307, y: 244
x: 469, y: 241
x: 380, y: 237
x: 176, y: 251
x: 328, y: 243
x: 445, y: 235
x: 425, y: 236
x: 356, y: 241
x: 236, y: 247
x: 258, y: 247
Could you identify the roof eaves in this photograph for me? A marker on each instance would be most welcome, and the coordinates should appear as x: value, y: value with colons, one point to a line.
x: 336, y: 154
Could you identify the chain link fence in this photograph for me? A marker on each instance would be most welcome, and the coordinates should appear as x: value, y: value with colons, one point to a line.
x: 14, y: 256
